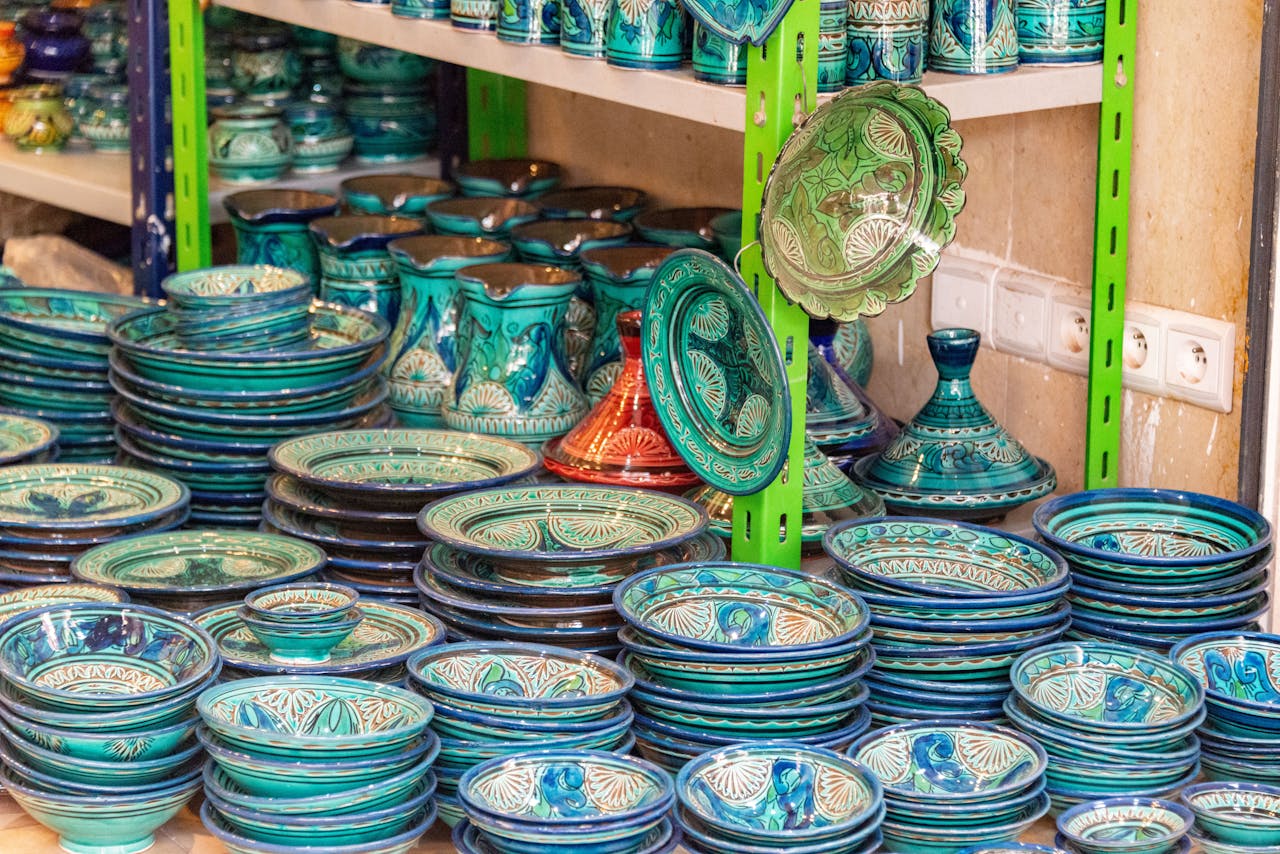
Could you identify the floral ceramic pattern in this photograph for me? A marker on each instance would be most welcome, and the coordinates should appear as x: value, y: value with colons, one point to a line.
x: 973, y: 36
x: 557, y: 786
x: 1137, y: 822
x: 715, y: 373
x: 836, y: 255
x: 234, y: 284
x: 740, y: 21
x: 65, y: 495
x: 23, y: 438
x: 512, y: 674
x: 582, y: 27
x: 950, y: 760
x: 645, y: 34
x: 311, y: 709
x: 1240, y: 667
x: 65, y: 319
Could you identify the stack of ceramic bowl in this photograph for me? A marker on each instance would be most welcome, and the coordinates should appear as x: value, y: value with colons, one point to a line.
x: 194, y: 570
x: 494, y: 700
x: 949, y: 786
x: 209, y: 417
x: 26, y: 440
x: 301, y: 623
x: 538, y: 563
x: 1234, y: 818
x: 745, y: 798
x: 1240, y: 672
x: 51, y: 512
x: 53, y: 364
x: 1151, y: 567
x: 356, y: 493
x: 576, y: 801
x: 98, y: 702
x: 724, y: 653
x: 952, y: 606
x: 1115, y: 720
x: 309, y: 763
x: 1125, y: 826
x: 240, y: 310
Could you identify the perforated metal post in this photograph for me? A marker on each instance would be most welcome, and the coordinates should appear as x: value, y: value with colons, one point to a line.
x: 190, y: 140
x: 149, y: 144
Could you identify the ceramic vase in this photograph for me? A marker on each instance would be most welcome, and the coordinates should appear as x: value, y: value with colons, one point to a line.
x: 584, y: 27
x: 38, y: 120
x: 371, y: 63
x: 435, y: 10
x: 619, y: 280
x: 513, y: 376
x: 839, y: 417
x: 621, y: 441
x: 646, y: 34
x: 249, y: 144
x: 479, y: 15
x: 833, y: 39
x: 11, y: 52
x: 395, y: 194
x: 717, y: 60
x: 53, y: 43
x: 322, y: 139
x: 272, y: 227
x: 265, y: 66
x: 529, y: 21
x: 973, y: 36
x: 107, y: 29
x: 356, y: 268
x: 105, y: 122
x: 424, y: 344
x: 886, y: 40
x: 392, y: 123
x: 1060, y: 32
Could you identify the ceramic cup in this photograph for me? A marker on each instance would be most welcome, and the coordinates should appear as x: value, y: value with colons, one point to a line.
x: 833, y: 38
x: 886, y: 40
x: 583, y: 27
x: 718, y: 60
x: 973, y: 36
x: 1060, y: 32
x: 479, y: 15
x: 646, y: 34
x: 529, y: 21
x: 434, y: 10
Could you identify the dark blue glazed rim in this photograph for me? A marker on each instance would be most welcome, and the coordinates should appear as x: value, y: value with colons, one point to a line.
x: 527, y: 634
x: 348, y: 514
x: 1158, y: 627
x: 213, y: 823
x: 54, y: 362
x: 962, y: 626
x: 1121, y: 748
x: 910, y: 683
x: 847, y: 680
x: 1184, y: 814
x: 1220, y: 591
x: 308, y: 529
x: 635, y: 641
x: 1082, y: 576
x: 176, y: 464
x: 133, y: 303
x: 958, y: 651
x: 372, y: 566
x: 697, y: 842
x: 127, y: 421
x: 21, y: 777
x: 498, y: 607
x: 465, y: 834
x: 941, y: 603
x: 1150, y: 792
x: 55, y: 384
x: 619, y: 720
x: 893, y: 713
x: 427, y: 790
x: 941, y: 701
x: 857, y: 724
x: 1269, y: 710
x: 846, y: 706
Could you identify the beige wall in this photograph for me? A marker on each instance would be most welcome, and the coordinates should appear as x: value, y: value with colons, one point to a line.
x: 1030, y: 194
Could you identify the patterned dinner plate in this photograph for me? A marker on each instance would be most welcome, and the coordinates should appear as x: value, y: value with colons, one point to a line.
x: 58, y: 322
x: 386, y: 636
x: 862, y: 200
x: 78, y: 497
x: 22, y: 438
x: 716, y: 374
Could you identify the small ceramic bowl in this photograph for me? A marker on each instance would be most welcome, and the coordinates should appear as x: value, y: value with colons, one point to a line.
x: 398, y: 195
x: 483, y: 217
x: 1128, y: 825
x: 681, y: 227
x: 305, y: 643
x: 122, y: 773
x: 368, y: 798
x: 300, y: 604
x: 1240, y: 672
x: 1012, y: 848
x: 155, y: 743
x: 1236, y: 813
x: 238, y: 288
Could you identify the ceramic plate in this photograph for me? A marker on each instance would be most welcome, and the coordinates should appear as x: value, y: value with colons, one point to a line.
x: 198, y: 561
x: 385, y: 638
x: 716, y: 373
x: 54, y: 320
x: 303, y: 498
x: 862, y: 200
x: 77, y: 497
x: 22, y: 438
x: 739, y: 21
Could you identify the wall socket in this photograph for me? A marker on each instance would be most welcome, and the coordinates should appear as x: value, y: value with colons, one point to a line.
x: 1020, y: 316
x: 962, y: 295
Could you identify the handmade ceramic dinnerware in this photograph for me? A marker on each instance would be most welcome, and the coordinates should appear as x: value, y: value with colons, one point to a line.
x: 971, y: 37
x: 1125, y: 826
x: 322, y: 139
x: 271, y: 227
x: 1235, y: 813
x: 394, y: 194
x: 371, y: 63
x: 265, y: 65
x: 391, y: 122
x: 1054, y: 32
x: 290, y: 642
x: 26, y: 440
x: 480, y: 217
x: 53, y: 43
x: 105, y: 122
x: 237, y: 842
x: 514, y: 178
x: 682, y: 228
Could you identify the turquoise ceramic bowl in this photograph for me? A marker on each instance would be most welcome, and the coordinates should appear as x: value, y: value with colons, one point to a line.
x: 1125, y: 826
x: 237, y: 843
x: 120, y: 823
x: 701, y: 839
x: 560, y: 242
x: 29, y: 598
x: 154, y: 743
x: 648, y: 686
x: 689, y: 228
x: 58, y: 322
x: 101, y: 658
x: 1012, y: 848
x: 736, y: 607
x: 394, y: 195
x: 468, y: 839
x: 364, y: 799
x: 121, y: 773
x: 1114, y: 779
x: 235, y: 288
x: 1236, y: 813
x: 815, y: 716
x: 472, y: 726
x: 1095, y: 687
x: 303, y: 603
x: 911, y: 839
x: 24, y: 440
x: 457, y: 757
x: 616, y: 203
x: 306, y: 643
x: 126, y: 722
x: 1098, y: 748
x: 1240, y: 672
x: 1213, y: 846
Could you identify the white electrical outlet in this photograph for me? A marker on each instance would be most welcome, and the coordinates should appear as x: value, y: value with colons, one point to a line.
x: 1142, y: 349
x: 961, y: 295
x: 1199, y: 364
x: 1020, y: 313
x: 1069, y: 312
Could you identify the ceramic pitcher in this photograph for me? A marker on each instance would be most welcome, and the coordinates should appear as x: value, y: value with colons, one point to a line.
x: 271, y: 227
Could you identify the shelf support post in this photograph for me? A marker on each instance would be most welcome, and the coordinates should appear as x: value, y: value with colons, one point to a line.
x: 190, y: 135
x: 151, y: 188
x: 496, y: 119
x: 1111, y: 246
x: 782, y: 80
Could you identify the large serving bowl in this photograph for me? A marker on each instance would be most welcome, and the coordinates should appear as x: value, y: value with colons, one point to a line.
x: 114, y: 772
x: 1235, y: 813
x: 77, y: 503
x: 155, y: 743
x: 1125, y: 826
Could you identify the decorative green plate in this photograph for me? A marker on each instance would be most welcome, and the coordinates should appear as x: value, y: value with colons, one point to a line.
x: 862, y: 200
x: 22, y: 438
x: 716, y: 374
x: 386, y: 636
x: 54, y: 321
x: 78, y: 497
x: 181, y: 562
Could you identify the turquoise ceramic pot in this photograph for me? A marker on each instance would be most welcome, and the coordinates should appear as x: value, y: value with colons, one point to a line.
x: 435, y: 10
x: 1058, y: 32
x: 302, y: 603
x: 833, y: 51
x: 272, y: 228
x: 392, y: 122
x: 425, y: 344
x: 618, y: 278
x: 321, y: 137
x: 584, y: 27
x: 886, y: 41
x: 648, y: 34
x: 370, y: 63
x: 530, y: 22
x: 322, y: 80
x: 105, y: 122
x: 355, y: 267
x: 474, y: 14
x: 265, y: 66
x: 717, y: 60
x: 513, y: 376
x: 394, y: 195
x: 480, y: 217
x: 309, y: 643
x: 249, y: 145
x: 973, y: 36
x: 106, y: 27
x: 76, y: 98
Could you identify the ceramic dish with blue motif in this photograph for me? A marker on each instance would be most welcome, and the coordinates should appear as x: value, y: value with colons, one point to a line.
x: 55, y: 321
x: 237, y: 843
x: 65, y: 497
x: 1245, y: 814
x: 1125, y: 826
x: 26, y: 440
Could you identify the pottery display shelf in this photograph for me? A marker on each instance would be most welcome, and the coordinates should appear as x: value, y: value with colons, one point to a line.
x: 97, y: 185
x: 674, y: 93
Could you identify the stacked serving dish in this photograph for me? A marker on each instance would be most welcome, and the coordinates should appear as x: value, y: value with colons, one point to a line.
x: 538, y: 563
x: 1240, y: 673
x: 357, y: 493
x: 1234, y: 818
x: 1151, y: 567
x: 577, y: 801
x: 949, y: 786
x: 53, y: 364
x: 51, y: 512
x: 241, y: 309
x: 208, y: 417
x: 26, y: 440
x: 305, y: 763
x: 725, y: 653
x: 98, y: 703
x: 779, y: 796
x: 495, y: 700
x: 952, y: 606
x: 1115, y: 720
x: 1126, y: 826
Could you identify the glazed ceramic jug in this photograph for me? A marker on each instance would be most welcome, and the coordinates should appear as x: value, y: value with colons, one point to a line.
x: 38, y: 120
x: 513, y: 376
x: 272, y: 227
x: 619, y: 279
x: 424, y: 344
x: 355, y: 267
x: 395, y: 194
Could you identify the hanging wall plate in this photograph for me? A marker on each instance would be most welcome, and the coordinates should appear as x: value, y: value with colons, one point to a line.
x: 862, y: 200
x: 715, y: 373
x: 740, y: 21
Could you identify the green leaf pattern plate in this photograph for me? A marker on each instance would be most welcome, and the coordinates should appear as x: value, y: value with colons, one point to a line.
x: 77, y: 497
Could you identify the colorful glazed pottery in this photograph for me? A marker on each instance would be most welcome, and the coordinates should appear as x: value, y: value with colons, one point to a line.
x: 850, y: 349
x: 887, y: 40
x: 394, y: 195
x: 322, y: 139
x: 478, y: 15
x: 532, y: 22
x: 271, y: 227
x: 618, y: 278
x: 26, y: 440
x: 428, y: 9
x: 716, y: 374
x: 1125, y: 826
x: 512, y: 178
x: 12, y: 52
x: 616, y: 203
x: 249, y: 144
x: 833, y: 51
x: 370, y: 63
x: 53, y: 44
x: 839, y: 261
x: 297, y: 642
x: 973, y: 36
x: 392, y: 122
x: 741, y: 21
x: 106, y: 27
x: 38, y: 120
x: 716, y: 59
x: 355, y: 266
x: 236, y: 841
x: 646, y: 35
x: 106, y: 121
x: 1235, y: 813
x: 1239, y: 672
x: 480, y: 217
x: 687, y: 228
x: 560, y: 242
x: 265, y: 66
x: 839, y: 417
x: 584, y: 27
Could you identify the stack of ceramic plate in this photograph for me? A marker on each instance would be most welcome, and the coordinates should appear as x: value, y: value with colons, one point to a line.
x: 240, y: 309
x: 309, y: 763
x: 1150, y: 567
x: 952, y: 606
x: 494, y: 700
x: 538, y: 563
x: 1115, y: 720
x: 576, y: 801
x: 948, y: 786
x: 51, y: 512
x: 26, y: 440
x: 209, y: 417
x: 193, y: 570
x: 1240, y: 672
x: 53, y: 364
x: 724, y: 653
x: 98, y: 703
x: 734, y: 799
x: 356, y: 493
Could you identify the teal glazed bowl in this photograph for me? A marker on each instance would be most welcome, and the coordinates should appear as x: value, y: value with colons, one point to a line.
x: 300, y: 643
x: 1240, y: 672
x: 616, y: 203
x: 237, y: 843
x: 1125, y: 826
x: 154, y: 743
x: 114, y: 772
x: 240, y: 288
x: 126, y: 722
x: 363, y: 799
x: 481, y: 217
x: 59, y: 323
x: 314, y: 717
x: 1236, y: 813
x: 305, y: 603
